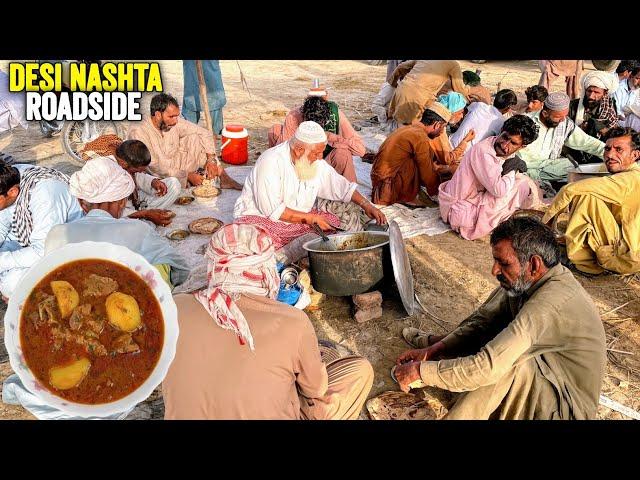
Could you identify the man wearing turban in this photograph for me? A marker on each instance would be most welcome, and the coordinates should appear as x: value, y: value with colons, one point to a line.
x: 456, y: 104
x: 595, y: 113
x: 102, y: 187
x: 243, y: 355
x: 280, y: 193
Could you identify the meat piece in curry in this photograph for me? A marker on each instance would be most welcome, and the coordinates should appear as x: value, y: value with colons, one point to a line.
x: 97, y: 286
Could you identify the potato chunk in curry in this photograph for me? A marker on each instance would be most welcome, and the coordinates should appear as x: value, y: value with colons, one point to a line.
x: 123, y: 312
x: 67, y: 297
x: 69, y: 376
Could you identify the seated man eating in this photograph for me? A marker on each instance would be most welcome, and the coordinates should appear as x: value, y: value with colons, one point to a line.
x: 280, y: 193
x: 603, y: 232
x: 178, y: 147
x: 534, y: 350
x: 407, y: 160
x: 243, y: 355
x: 487, y: 187
x: 32, y: 200
x: 102, y: 190
x: 151, y: 195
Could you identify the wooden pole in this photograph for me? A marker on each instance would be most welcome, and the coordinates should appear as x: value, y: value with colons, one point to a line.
x: 204, y: 103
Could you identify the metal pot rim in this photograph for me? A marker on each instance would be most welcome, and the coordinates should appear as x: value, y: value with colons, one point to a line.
x: 308, y: 246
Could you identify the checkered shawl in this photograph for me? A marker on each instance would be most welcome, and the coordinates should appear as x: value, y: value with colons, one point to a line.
x: 241, y: 260
x: 283, y: 233
x: 22, y: 224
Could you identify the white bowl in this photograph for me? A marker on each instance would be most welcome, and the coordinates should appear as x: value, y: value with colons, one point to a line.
x: 84, y: 251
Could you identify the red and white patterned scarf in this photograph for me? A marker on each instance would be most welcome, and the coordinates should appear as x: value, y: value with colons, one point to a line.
x: 284, y: 233
x: 241, y: 260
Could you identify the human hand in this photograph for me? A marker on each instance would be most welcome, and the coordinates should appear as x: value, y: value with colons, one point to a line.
x: 515, y: 164
x: 212, y: 169
x: 375, y: 214
x: 407, y: 374
x: 332, y: 137
x: 194, y: 178
x: 421, y: 354
x: 471, y: 134
x: 322, y: 223
x: 158, y: 217
x: 159, y: 186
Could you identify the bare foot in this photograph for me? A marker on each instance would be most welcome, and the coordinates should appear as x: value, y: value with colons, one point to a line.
x: 227, y: 182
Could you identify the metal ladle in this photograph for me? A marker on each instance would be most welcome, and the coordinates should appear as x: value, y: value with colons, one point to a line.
x: 319, y: 231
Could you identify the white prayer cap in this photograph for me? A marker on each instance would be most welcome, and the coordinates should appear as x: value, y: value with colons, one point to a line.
x: 600, y: 79
x: 101, y: 180
x: 557, y: 101
x: 310, y: 133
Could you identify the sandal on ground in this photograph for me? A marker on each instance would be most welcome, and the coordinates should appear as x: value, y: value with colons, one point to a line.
x: 413, y: 336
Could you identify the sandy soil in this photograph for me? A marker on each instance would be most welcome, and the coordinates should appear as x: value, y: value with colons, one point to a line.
x: 452, y: 275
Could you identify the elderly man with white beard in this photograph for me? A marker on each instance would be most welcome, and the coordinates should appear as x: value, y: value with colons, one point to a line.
x: 280, y: 193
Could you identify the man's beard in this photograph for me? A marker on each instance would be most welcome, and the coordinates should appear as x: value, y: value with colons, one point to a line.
x: 305, y: 170
x: 590, y: 104
x: 549, y: 123
x: 518, y: 288
x: 163, y: 126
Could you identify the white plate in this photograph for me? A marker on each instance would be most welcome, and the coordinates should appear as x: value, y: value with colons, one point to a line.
x: 84, y: 251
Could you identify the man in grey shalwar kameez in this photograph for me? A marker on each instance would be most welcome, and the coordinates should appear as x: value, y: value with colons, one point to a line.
x: 534, y: 350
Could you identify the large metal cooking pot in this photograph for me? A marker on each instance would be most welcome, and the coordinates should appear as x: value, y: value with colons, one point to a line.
x: 589, y: 170
x: 349, y: 263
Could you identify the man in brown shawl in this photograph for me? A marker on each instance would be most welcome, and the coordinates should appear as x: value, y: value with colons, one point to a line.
x: 534, y: 350
x: 570, y: 69
x: 420, y: 81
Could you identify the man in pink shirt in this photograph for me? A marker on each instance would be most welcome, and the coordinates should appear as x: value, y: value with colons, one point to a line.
x: 485, y: 189
x: 342, y: 140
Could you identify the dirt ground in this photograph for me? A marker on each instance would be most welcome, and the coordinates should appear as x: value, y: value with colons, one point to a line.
x: 452, y: 275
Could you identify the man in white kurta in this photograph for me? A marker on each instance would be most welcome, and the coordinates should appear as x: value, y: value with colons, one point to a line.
x: 485, y: 120
x: 544, y: 156
x: 273, y: 186
x: 279, y: 194
x: 50, y: 203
